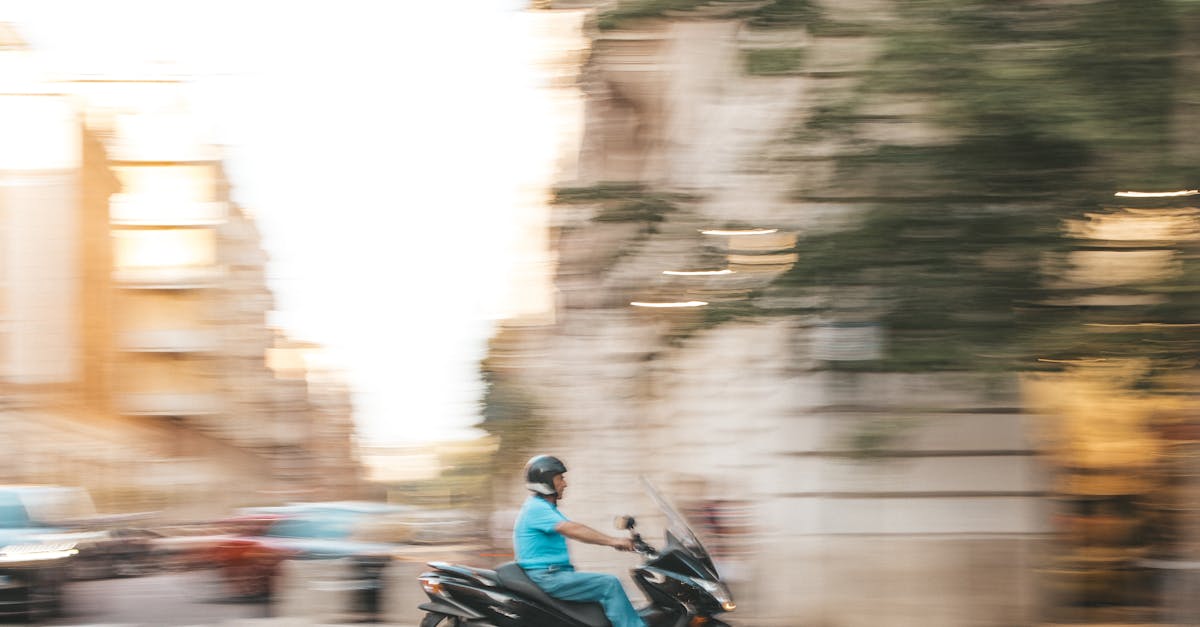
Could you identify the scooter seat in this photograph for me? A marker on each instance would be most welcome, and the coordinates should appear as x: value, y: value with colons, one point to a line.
x: 467, y: 570
x: 513, y: 577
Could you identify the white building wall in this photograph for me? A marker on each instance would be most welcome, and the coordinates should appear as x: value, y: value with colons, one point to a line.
x: 40, y: 148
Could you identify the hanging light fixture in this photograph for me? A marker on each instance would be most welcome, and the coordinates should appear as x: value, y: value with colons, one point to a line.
x: 1185, y: 192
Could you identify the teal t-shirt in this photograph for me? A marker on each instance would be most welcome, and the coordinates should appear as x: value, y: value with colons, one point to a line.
x: 535, y: 541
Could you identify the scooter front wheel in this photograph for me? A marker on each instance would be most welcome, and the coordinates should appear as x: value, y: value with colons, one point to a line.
x: 433, y: 619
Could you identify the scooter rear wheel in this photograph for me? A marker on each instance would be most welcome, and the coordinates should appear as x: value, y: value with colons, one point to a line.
x: 433, y: 619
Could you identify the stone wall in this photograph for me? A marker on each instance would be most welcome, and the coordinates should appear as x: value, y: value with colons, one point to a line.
x: 946, y: 512
x: 859, y: 498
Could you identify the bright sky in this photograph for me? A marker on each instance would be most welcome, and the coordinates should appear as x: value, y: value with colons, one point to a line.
x: 389, y: 151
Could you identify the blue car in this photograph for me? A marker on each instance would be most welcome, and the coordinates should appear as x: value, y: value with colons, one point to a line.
x: 35, y: 554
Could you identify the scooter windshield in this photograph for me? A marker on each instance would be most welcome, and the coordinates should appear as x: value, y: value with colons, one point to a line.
x: 678, y: 529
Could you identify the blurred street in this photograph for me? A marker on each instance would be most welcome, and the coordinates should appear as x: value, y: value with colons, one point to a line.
x: 166, y: 600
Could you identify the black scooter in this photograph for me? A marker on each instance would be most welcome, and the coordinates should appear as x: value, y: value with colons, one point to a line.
x: 681, y: 583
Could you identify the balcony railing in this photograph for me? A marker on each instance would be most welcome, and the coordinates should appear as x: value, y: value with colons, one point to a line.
x: 169, y: 403
x: 135, y: 210
x: 129, y: 152
x: 169, y: 340
x: 169, y: 278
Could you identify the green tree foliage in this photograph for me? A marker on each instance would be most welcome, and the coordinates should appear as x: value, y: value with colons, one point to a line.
x: 772, y: 61
x: 637, y: 9
x: 511, y: 412
x: 622, y: 202
x: 769, y: 14
x: 1051, y: 107
x: 785, y: 14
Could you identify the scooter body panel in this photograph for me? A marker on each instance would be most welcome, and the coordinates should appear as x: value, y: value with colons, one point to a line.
x: 502, y: 606
x: 681, y: 583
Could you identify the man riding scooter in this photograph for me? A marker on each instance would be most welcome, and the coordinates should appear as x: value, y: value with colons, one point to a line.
x: 539, y: 539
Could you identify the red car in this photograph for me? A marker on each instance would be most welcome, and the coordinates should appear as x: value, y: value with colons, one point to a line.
x: 248, y: 564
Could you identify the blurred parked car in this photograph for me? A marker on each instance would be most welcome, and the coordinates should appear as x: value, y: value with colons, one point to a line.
x: 249, y: 565
x: 370, y: 535
x: 119, y: 552
x: 393, y: 524
x: 37, y: 547
x: 191, y: 546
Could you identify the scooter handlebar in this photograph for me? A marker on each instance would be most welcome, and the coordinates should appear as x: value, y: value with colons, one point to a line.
x: 640, y: 546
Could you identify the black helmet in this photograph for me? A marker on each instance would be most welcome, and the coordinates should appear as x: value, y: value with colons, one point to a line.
x: 539, y: 474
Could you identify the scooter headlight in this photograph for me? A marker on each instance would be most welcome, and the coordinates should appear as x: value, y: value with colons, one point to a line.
x: 719, y: 592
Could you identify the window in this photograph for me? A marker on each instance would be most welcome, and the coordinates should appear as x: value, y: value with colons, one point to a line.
x: 135, y: 249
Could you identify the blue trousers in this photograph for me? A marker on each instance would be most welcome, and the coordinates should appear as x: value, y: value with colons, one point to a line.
x: 566, y: 584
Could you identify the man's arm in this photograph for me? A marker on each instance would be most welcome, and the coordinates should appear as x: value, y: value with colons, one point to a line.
x: 584, y: 533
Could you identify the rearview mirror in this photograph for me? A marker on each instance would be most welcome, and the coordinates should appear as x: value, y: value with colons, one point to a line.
x: 623, y: 522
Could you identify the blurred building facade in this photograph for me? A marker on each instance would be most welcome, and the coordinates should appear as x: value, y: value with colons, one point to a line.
x: 838, y: 493
x: 135, y: 297
x: 834, y: 497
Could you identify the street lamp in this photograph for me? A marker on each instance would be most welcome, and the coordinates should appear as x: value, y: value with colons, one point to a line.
x: 689, y: 303
x: 738, y: 231
x: 697, y: 272
x: 1185, y: 192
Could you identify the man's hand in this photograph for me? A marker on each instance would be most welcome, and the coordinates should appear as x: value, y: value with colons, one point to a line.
x: 584, y: 533
x: 622, y: 544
